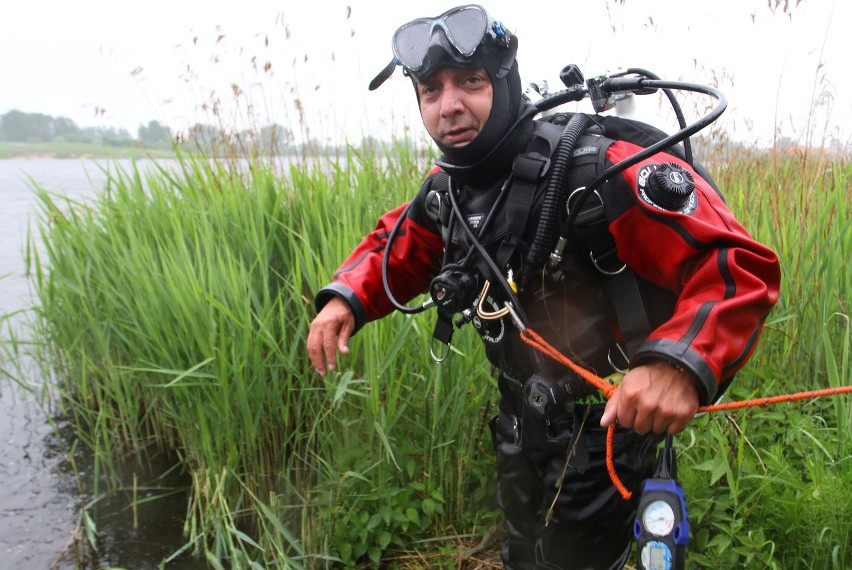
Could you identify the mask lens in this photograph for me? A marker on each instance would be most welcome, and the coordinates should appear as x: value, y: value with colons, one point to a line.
x: 465, y: 29
x: 411, y: 42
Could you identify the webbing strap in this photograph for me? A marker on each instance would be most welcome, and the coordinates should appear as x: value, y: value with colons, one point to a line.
x: 591, y: 227
x: 527, y: 171
x: 623, y: 291
x: 619, y: 282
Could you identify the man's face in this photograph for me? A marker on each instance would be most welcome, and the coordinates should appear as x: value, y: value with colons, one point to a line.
x: 455, y: 103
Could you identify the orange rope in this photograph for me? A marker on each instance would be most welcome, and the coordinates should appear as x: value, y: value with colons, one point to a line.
x: 610, y: 465
x: 777, y: 399
x: 533, y: 339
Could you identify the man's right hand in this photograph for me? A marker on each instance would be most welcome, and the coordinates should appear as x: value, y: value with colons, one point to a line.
x: 330, y: 332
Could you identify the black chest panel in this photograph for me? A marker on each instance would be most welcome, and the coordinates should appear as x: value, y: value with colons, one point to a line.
x: 573, y: 312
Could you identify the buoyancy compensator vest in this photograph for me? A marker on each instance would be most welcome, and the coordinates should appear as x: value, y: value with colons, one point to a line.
x: 517, y: 222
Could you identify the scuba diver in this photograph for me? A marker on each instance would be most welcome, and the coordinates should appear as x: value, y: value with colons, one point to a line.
x: 646, y: 279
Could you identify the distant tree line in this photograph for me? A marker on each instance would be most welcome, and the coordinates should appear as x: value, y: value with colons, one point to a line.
x: 18, y: 126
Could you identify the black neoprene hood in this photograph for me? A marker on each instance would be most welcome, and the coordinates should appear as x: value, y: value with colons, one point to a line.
x: 506, y: 101
x: 498, y: 60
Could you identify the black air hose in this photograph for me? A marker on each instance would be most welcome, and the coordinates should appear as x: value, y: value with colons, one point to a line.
x: 629, y: 84
x: 554, y: 198
x: 681, y: 120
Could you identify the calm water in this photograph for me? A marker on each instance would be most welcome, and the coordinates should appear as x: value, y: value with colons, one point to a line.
x: 42, y: 489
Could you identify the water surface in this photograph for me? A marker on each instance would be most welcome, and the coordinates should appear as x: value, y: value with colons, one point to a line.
x: 47, y: 481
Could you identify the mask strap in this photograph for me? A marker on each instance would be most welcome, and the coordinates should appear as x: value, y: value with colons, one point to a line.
x: 508, y: 59
x: 384, y: 74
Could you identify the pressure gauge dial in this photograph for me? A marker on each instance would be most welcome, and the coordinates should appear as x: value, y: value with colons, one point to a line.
x: 661, y: 526
x: 658, y: 518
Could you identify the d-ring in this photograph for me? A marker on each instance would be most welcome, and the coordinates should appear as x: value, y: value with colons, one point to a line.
x: 601, y: 269
x: 435, y: 357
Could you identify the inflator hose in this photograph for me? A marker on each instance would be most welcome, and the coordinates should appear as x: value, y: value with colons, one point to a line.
x: 554, y: 198
x: 681, y: 120
x: 629, y: 84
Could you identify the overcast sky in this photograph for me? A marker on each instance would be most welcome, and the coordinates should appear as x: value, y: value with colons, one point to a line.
x: 307, y: 64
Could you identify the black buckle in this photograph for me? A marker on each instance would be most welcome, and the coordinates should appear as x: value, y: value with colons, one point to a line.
x: 530, y: 167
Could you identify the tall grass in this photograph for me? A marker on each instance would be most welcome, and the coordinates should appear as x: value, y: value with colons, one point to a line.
x: 172, y: 314
x: 769, y: 487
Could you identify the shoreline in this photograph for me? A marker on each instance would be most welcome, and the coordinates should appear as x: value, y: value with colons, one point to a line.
x: 88, y: 155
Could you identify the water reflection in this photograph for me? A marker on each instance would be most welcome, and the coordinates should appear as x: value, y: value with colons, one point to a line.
x: 140, y: 524
x: 39, y: 501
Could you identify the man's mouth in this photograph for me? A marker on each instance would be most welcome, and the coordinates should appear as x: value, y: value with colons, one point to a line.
x: 459, y: 136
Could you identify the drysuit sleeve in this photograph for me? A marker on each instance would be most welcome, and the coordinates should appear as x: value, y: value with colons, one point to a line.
x: 725, y: 281
x: 415, y: 257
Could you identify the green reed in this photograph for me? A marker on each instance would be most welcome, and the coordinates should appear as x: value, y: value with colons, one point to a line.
x: 172, y: 313
x: 768, y: 486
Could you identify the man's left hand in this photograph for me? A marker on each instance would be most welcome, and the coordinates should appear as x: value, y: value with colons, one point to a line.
x: 654, y: 397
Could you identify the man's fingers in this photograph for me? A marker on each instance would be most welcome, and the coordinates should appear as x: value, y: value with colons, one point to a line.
x: 315, y: 351
x: 343, y: 339
x: 329, y: 345
x: 610, y: 415
x: 328, y: 333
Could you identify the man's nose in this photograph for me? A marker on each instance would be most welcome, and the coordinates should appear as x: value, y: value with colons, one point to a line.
x: 451, y: 101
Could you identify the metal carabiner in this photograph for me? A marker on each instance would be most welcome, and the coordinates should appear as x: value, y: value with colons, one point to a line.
x: 623, y: 355
x: 435, y: 358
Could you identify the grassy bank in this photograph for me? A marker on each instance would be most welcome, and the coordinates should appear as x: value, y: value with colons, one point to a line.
x: 59, y: 149
x: 173, y: 314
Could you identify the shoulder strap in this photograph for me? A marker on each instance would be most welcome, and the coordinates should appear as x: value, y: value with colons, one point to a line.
x: 527, y: 171
x: 591, y: 227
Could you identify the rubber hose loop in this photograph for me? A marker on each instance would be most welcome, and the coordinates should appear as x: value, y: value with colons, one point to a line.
x: 546, y: 235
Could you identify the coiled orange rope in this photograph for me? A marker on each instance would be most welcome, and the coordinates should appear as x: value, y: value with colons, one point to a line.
x: 533, y: 339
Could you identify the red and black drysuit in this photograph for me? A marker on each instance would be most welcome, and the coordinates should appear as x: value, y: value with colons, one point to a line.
x: 707, y: 287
